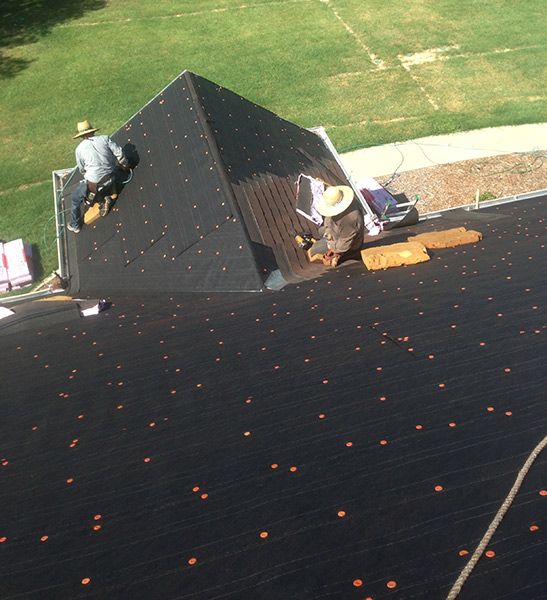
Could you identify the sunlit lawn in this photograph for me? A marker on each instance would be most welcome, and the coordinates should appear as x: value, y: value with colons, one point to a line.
x: 349, y: 65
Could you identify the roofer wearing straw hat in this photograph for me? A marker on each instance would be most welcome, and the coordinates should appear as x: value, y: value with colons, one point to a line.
x: 98, y: 158
x: 343, y: 227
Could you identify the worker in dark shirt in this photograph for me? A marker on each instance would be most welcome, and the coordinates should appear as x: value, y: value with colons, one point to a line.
x: 343, y: 227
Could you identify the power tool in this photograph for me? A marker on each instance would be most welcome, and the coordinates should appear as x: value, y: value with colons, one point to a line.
x: 305, y: 240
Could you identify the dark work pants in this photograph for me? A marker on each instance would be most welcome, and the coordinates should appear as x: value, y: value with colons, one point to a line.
x: 77, y: 197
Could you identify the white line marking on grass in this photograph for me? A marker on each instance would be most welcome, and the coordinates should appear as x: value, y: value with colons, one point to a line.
x: 240, y: 7
x: 195, y: 13
x: 428, y: 97
x: 23, y: 187
x: 439, y: 54
x: 377, y: 62
x: 418, y: 58
x: 427, y: 56
x: 372, y: 121
x: 492, y: 52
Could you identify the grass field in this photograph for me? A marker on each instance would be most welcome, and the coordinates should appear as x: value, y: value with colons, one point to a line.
x: 370, y: 72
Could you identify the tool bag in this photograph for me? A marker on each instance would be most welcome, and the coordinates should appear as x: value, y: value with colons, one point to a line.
x: 96, y: 192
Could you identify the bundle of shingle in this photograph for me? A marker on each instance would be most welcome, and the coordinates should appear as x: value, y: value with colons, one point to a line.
x: 449, y: 238
x: 14, y: 265
x: 414, y: 250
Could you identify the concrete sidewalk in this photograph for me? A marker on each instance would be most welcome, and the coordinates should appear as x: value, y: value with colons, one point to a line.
x: 443, y: 149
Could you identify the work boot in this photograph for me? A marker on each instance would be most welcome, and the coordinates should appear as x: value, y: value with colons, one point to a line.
x: 105, y: 206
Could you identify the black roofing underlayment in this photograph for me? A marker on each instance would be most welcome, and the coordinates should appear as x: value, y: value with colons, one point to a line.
x: 211, y: 206
x: 349, y: 437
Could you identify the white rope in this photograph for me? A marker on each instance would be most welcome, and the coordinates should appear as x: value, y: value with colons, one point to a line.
x: 456, y: 588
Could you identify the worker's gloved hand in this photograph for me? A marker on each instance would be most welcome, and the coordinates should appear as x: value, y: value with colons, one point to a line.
x: 331, y: 258
x: 327, y: 258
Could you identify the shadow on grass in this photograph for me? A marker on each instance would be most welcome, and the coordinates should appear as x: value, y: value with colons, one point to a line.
x: 25, y: 21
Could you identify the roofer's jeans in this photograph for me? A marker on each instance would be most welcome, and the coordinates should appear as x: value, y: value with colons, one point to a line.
x: 78, y: 196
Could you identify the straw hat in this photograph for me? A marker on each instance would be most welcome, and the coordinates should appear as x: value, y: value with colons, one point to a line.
x: 335, y: 200
x: 84, y: 127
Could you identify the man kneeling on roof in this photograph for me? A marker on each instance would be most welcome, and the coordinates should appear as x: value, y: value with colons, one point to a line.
x: 343, y: 228
x: 99, y: 159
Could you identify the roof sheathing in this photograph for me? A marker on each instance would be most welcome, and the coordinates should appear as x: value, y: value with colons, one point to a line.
x: 263, y: 155
x: 212, y: 203
x: 344, y: 434
x: 175, y: 226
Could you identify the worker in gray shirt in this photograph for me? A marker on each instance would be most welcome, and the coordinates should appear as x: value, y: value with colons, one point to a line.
x: 343, y: 228
x: 97, y: 157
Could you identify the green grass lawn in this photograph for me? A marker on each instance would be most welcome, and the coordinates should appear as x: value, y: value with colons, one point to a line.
x: 370, y: 72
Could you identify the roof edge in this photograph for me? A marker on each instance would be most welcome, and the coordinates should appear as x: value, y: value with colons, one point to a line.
x: 496, y: 202
x: 221, y: 167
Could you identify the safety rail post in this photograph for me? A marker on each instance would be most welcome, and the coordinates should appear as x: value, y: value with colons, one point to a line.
x: 60, y: 181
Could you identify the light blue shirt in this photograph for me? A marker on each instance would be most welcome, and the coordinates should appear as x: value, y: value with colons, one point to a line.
x: 97, y: 156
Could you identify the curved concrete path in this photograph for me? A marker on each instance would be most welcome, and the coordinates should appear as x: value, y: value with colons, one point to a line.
x: 443, y: 149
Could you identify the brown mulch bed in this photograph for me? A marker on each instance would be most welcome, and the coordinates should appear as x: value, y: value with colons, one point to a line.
x: 456, y: 184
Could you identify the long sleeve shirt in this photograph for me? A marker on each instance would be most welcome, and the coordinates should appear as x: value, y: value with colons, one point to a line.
x: 344, y: 232
x: 97, y: 157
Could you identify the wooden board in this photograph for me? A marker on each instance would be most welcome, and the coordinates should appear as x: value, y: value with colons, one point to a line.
x: 92, y: 214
